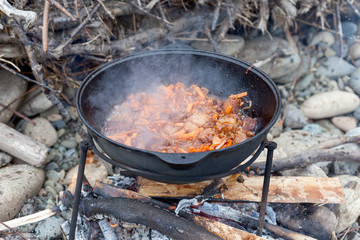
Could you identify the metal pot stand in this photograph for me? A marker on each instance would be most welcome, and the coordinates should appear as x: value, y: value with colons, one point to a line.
x: 89, y: 145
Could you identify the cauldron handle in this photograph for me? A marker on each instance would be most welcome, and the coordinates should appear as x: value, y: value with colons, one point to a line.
x: 181, y: 160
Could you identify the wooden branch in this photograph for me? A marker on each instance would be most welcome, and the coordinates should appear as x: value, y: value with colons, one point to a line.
x: 59, y: 49
x: 29, y: 16
x: 221, y: 230
x: 286, y: 233
x: 22, y: 146
x: 244, y: 188
x: 310, y: 157
x: 45, y: 27
x: 224, y: 231
x: 32, y: 218
x: 62, y: 9
x: 333, y: 142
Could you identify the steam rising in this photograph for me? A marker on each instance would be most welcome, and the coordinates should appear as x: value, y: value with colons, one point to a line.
x: 113, y: 83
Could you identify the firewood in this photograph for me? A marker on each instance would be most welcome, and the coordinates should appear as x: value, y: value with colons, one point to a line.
x: 32, y: 218
x: 22, y: 146
x: 220, y: 229
x: 245, y: 188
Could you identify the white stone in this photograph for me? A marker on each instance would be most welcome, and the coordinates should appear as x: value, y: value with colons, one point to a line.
x: 329, y: 104
x: 349, y: 210
x: 298, y: 141
x: 36, y: 102
x: 323, y: 37
x: 18, y: 183
x: 344, y: 123
x: 42, y: 131
x: 11, y: 88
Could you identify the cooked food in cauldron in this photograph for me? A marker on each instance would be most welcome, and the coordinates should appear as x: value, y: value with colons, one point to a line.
x: 177, y: 119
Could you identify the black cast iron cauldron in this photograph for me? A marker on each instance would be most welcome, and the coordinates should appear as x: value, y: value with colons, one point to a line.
x: 222, y: 75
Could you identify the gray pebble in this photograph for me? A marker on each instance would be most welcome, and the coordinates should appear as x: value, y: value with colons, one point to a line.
x: 335, y: 67
x: 304, y: 82
x: 353, y: 132
x: 5, y: 159
x: 55, y: 185
x: 59, y: 124
x: 51, y: 166
x: 313, y: 128
x: 55, y: 175
x: 354, y: 81
x: 69, y: 143
x: 51, y: 191
x: 349, y: 28
x: 61, y: 132
x: 295, y: 118
x: 49, y: 228
x: 71, y: 158
x: 356, y: 114
x: 341, y: 84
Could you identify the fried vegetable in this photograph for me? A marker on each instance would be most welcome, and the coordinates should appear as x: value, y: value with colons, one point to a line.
x: 174, y: 118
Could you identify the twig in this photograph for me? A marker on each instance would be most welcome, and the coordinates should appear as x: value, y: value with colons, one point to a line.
x: 45, y: 27
x: 60, y: 48
x: 106, y: 10
x: 171, y: 35
x: 339, y: 28
x: 12, y: 229
x: 336, y: 142
x: 37, y: 71
x: 149, y: 14
x: 62, y: 9
x: 27, y: 78
x: 216, y: 15
x: 9, y: 62
x: 32, y: 218
x: 353, y: 7
x: 317, y: 26
x: 290, y: 38
x: 347, y: 230
x: 16, y: 113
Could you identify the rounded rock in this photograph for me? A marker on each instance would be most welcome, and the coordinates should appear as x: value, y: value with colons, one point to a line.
x: 35, y: 103
x: 354, y: 81
x: 335, y: 67
x: 18, y: 183
x: 344, y: 123
x: 330, y: 104
x: 354, y: 50
x: 356, y: 114
x: 42, y: 131
x: 11, y: 88
x: 5, y: 159
x: 312, y: 128
x: 49, y: 228
x: 323, y: 37
x: 295, y: 118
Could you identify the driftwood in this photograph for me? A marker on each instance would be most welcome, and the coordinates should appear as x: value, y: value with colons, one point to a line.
x: 22, y: 146
x: 244, y: 188
x: 139, y: 212
x: 310, y: 157
x: 219, y: 229
x: 32, y: 218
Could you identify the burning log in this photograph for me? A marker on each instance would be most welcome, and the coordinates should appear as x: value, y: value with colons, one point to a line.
x: 22, y: 146
x: 220, y: 229
x: 135, y: 211
x: 245, y: 188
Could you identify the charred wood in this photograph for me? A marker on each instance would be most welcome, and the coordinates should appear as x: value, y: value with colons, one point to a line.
x: 135, y: 211
x: 310, y: 157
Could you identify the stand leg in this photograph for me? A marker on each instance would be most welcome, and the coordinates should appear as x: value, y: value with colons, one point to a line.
x: 84, y: 148
x: 271, y: 147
